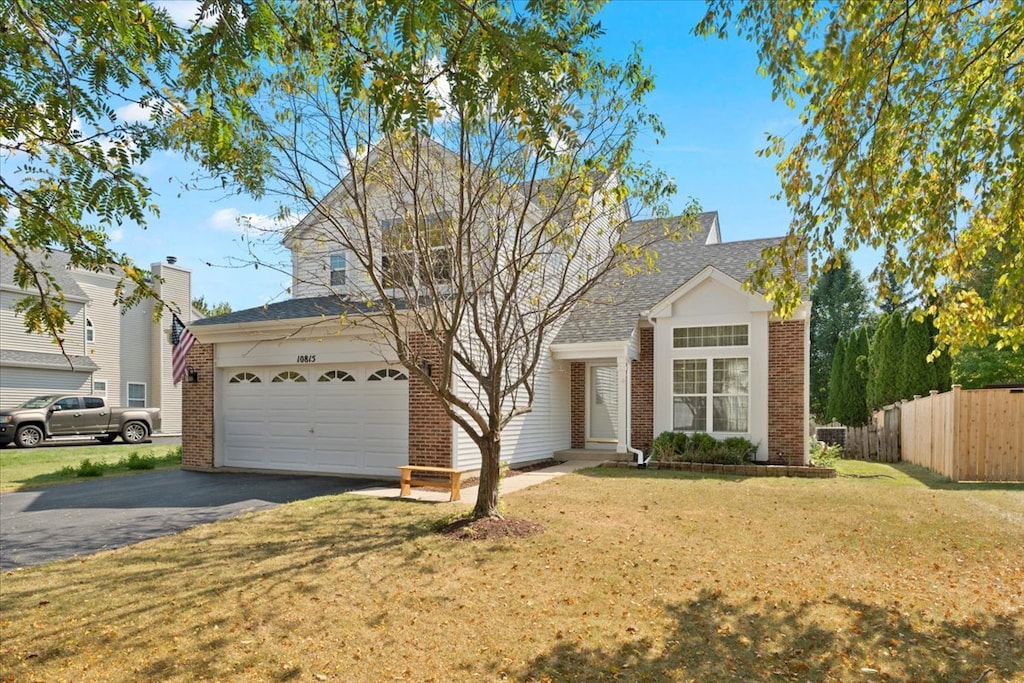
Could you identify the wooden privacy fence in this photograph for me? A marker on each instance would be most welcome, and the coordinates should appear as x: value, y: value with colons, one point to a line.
x: 879, y: 440
x: 966, y: 435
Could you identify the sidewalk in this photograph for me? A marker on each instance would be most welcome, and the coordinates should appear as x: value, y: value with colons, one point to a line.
x: 508, y: 485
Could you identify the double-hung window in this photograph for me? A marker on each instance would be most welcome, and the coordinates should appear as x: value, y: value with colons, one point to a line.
x: 412, y: 256
x: 136, y: 395
x: 711, y: 391
x: 337, y: 269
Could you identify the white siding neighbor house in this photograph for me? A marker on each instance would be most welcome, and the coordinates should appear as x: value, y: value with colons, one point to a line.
x: 123, y: 356
x: 300, y: 386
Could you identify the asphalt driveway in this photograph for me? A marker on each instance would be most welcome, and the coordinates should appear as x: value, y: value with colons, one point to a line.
x: 78, y: 519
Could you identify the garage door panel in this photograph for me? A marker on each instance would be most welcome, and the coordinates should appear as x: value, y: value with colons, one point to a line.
x: 343, y: 427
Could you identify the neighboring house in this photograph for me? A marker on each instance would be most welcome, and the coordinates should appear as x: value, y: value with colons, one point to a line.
x: 123, y: 356
x: 300, y: 386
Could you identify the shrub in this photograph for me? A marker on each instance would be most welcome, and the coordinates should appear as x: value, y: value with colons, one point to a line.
x: 825, y: 455
x: 703, y: 448
x: 88, y: 468
x: 138, y: 462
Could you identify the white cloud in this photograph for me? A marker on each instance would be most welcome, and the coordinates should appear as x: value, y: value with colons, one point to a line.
x: 134, y: 113
x: 183, y: 12
x: 116, y: 235
x: 252, y: 224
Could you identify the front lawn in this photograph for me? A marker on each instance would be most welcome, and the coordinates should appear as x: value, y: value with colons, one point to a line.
x: 22, y: 468
x: 637, y: 576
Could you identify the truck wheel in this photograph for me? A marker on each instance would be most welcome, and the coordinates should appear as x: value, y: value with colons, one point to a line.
x: 134, y: 432
x: 28, y: 436
x: 106, y: 438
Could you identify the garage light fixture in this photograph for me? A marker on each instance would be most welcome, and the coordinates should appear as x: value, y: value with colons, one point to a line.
x: 425, y: 367
x: 191, y: 375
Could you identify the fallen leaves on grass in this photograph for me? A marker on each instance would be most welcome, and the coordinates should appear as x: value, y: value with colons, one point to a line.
x: 467, y: 529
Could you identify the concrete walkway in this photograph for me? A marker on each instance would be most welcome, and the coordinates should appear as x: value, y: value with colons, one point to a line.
x: 508, y: 485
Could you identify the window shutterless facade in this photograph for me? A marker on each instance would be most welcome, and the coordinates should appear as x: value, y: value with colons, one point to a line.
x: 338, y: 267
x: 136, y: 395
x: 415, y: 255
x: 719, y: 384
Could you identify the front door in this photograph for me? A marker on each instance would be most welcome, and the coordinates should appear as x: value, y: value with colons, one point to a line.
x: 603, y: 404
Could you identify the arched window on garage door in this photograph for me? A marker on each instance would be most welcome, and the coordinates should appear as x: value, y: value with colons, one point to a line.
x: 336, y: 376
x: 289, y: 376
x: 245, y: 378
x: 386, y: 373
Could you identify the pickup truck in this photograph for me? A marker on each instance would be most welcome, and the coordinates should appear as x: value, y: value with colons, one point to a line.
x: 45, y: 417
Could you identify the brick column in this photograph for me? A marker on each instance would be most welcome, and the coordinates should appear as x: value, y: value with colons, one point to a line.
x: 787, y: 423
x: 577, y: 404
x: 641, y: 394
x: 197, y: 411
x: 430, y: 428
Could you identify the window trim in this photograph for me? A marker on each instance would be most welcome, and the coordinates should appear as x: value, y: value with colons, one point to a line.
x: 96, y: 391
x: 719, y: 330
x: 342, y: 272
x: 90, y: 332
x: 709, y: 392
x: 128, y: 394
x: 410, y: 257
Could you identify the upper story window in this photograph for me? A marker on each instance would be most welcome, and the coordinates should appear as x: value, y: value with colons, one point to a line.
x: 406, y: 261
x: 338, y: 266
x: 90, y: 331
x: 710, y: 335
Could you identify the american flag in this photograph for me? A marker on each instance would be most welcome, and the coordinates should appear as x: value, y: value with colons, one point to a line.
x: 182, y: 340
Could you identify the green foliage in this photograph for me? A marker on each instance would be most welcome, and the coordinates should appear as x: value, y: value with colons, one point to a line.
x: 823, y: 454
x: 136, y: 462
x: 211, y: 310
x: 836, y: 385
x: 853, y: 407
x: 88, y: 468
x: 917, y: 375
x: 839, y: 304
x: 701, y: 447
x: 979, y: 366
x: 911, y: 120
x: 885, y: 362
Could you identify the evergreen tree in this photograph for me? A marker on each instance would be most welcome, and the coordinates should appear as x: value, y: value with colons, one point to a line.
x: 835, y: 382
x: 839, y: 305
x: 884, y: 362
x: 854, y: 408
x: 917, y: 375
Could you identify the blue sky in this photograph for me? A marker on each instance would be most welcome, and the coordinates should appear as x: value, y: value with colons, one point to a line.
x: 715, y: 108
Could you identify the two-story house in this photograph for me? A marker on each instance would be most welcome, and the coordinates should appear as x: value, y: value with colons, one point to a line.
x: 302, y: 386
x: 121, y: 355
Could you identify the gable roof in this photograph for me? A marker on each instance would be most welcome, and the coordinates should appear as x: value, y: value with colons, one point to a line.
x: 329, y: 306
x: 612, y: 310
x: 56, y: 263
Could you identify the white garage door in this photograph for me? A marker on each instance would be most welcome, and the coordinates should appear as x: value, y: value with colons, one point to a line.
x: 347, y: 420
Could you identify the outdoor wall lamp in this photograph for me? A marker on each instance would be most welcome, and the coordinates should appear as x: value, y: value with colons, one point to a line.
x: 192, y: 375
x: 425, y: 367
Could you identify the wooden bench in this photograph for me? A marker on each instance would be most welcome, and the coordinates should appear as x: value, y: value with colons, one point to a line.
x: 454, y: 478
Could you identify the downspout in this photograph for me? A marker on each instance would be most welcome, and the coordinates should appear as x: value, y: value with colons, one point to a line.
x: 641, y: 461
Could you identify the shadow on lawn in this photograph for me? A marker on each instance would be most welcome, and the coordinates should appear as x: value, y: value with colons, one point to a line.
x: 937, y: 481
x: 713, y: 639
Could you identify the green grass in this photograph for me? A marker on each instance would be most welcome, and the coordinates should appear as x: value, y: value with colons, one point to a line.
x: 22, y: 468
x: 638, y: 576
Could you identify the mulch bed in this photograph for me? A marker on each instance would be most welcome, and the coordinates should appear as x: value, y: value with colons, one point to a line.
x: 488, y: 528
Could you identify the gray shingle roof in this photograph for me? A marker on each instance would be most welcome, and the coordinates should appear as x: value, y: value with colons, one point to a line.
x: 53, y: 262
x: 612, y: 310
x: 52, y: 360
x: 293, y: 309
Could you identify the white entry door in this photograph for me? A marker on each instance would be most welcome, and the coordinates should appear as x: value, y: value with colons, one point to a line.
x: 603, y: 404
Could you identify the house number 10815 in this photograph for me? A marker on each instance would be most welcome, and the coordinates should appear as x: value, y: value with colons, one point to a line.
x: 305, y: 359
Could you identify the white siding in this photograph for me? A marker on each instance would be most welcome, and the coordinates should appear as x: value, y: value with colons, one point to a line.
x: 14, y: 337
x: 108, y: 336
x: 20, y: 384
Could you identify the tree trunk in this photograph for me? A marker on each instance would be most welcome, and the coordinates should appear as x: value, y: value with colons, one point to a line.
x: 490, y: 477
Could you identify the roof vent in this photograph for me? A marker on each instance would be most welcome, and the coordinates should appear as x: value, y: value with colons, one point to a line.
x: 171, y: 260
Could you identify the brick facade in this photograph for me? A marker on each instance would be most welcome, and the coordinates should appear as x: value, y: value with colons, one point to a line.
x: 430, y: 428
x: 197, y: 411
x: 577, y: 405
x: 787, y: 422
x: 641, y: 393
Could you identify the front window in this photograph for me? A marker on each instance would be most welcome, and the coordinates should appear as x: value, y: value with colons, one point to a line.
x: 710, y: 335
x: 721, y: 383
x: 136, y: 395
